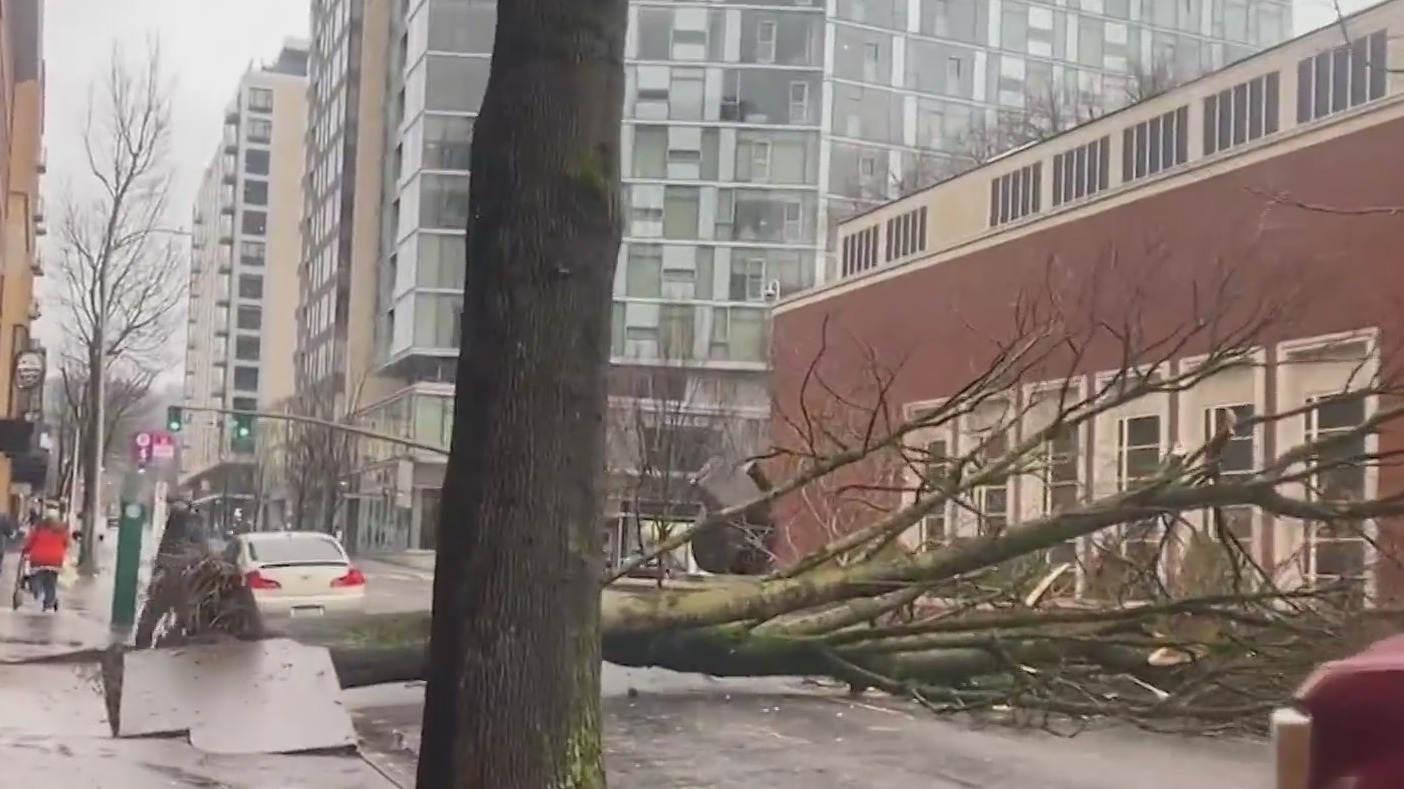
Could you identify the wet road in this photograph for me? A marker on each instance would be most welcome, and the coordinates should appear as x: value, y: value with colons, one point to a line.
x: 684, y: 732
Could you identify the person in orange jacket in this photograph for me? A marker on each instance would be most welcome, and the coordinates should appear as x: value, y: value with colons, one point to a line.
x: 46, y: 548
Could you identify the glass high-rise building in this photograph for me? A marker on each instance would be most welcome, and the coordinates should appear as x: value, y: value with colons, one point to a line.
x: 749, y: 128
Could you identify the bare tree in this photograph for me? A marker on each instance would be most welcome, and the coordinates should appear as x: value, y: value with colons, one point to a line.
x: 120, y: 270
x: 127, y: 401
x: 667, y: 422
x: 317, y: 461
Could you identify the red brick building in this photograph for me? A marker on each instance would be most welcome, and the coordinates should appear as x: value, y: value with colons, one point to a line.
x: 1259, y: 195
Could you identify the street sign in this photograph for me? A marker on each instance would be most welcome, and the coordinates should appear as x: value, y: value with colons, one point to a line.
x: 141, y: 447
x: 163, y: 446
x: 29, y: 370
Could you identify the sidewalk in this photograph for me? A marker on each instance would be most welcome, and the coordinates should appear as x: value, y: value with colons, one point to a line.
x: 54, y: 722
x: 417, y: 560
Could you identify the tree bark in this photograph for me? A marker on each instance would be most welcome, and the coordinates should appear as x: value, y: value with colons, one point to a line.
x: 513, y: 673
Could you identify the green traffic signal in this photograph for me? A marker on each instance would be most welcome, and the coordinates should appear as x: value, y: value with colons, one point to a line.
x: 175, y: 419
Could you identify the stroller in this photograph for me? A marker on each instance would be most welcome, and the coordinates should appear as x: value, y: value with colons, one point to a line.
x: 24, y: 584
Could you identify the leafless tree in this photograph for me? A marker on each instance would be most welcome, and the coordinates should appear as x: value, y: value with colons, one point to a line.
x: 120, y: 269
x: 127, y: 402
x: 667, y: 422
x: 317, y: 461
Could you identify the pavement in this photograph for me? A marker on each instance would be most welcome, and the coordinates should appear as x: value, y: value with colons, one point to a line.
x: 53, y: 717
x: 663, y: 730
x: 678, y: 731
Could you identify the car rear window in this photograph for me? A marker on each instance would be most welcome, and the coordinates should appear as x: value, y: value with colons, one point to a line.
x: 310, y: 548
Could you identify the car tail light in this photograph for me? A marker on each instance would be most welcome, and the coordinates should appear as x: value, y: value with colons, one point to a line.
x: 257, y: 580
x: 353, y: 577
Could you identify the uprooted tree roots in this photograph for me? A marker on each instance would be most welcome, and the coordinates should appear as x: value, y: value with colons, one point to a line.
x: 196, y: 597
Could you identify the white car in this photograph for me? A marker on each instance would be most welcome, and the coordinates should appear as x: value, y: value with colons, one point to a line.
x: 298, y: 573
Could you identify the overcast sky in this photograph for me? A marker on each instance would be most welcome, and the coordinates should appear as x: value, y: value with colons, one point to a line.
x: 207, y: 44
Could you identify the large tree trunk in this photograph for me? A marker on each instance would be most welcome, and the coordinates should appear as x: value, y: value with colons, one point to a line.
x: 516, y: 611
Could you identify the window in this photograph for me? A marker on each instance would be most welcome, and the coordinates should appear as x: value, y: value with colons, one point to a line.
x: 250, y: 286
x: 1081, y: 172
x: 1138, y: 459
x: 799, y: 103
x: 255, y: 223
x: 255, y: 192
x: 860, y: 251
x: 747, y: 280
x: 251, y: 253
x: 906, y: 234
x: 448, y: 142
x: 246, y: 379
x: 443, y: 202
x: 1062, y: 489
x: 246, y: 348
x: 1236, y: 458
x: 1342, y: 77
x: 244, y: 403
x: 1337, y: 550
x: 765, y: 42
x: 256, y: 162
x: 249, y: 318
x: 260, y: 100
x: 1155, y: 145
x: 934, y: 466
x: 259, y: 130
x: 1016, y: 195
x: 991, y: 502
x: 1242, y: 113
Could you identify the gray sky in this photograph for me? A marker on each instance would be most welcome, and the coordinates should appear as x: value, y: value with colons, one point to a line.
x: 207, y: 44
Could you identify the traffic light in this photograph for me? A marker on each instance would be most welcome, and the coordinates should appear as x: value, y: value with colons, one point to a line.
x: 175, y: 419
x: 242, y: 438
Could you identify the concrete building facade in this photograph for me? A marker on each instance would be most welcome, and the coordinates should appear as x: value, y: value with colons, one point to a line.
x: 749, y: 128
x: 1252, y: 201
x: 247, y: 241
x: 21, y: 208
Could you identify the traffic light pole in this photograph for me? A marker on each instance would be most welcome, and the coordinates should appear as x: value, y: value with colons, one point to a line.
x: 308, y: 420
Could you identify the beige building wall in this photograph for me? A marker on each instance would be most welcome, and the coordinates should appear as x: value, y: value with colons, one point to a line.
x: 21, y: 212
x: 284, y: 237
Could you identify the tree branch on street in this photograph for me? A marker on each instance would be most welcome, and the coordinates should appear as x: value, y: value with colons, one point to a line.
x: 938, y: 594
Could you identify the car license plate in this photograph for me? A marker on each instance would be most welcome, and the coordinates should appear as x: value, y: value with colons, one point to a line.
x: 308, y: 610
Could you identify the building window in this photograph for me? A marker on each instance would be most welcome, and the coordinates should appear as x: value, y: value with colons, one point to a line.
x: 249, y: 318
x: 1236, y: 459
x: 1243, y: 113
x: 246, y: 379
x: 1062, y: 490
x: 1016, y: 195
x: 1138, y: 460
x: 250, y: 286
x: 256, y: 161
x: 799, y: 103
x: 1155, y: 145
x: 991, y: 502
x: 934, y: 467
x: 259, y: 130
x: 260, y: 100
x: 255, y: 192
x: 251, y: 253
x: 448, y: 142
x: 906, y: 234
x: 1343, y: 77
x: 244, y: 403
x: 1083, y: 171
x: 255, y: 223
x: 860, y: 251
x: 246, y: 348
x: 765, y: 41
x: 1337, y: 550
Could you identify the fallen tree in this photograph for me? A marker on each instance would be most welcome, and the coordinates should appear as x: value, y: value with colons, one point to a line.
x: 1142, y: 600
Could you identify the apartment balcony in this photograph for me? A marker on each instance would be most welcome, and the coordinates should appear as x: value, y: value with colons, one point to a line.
x: 231, y: 116
x: 42, y: 166
x: 39, y: 208
x: 229, y: 177
x: 36, y: 266
x: 226, y: 209
x: 34, y: 311
x: 231, y: 144
x: 40, y: 229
